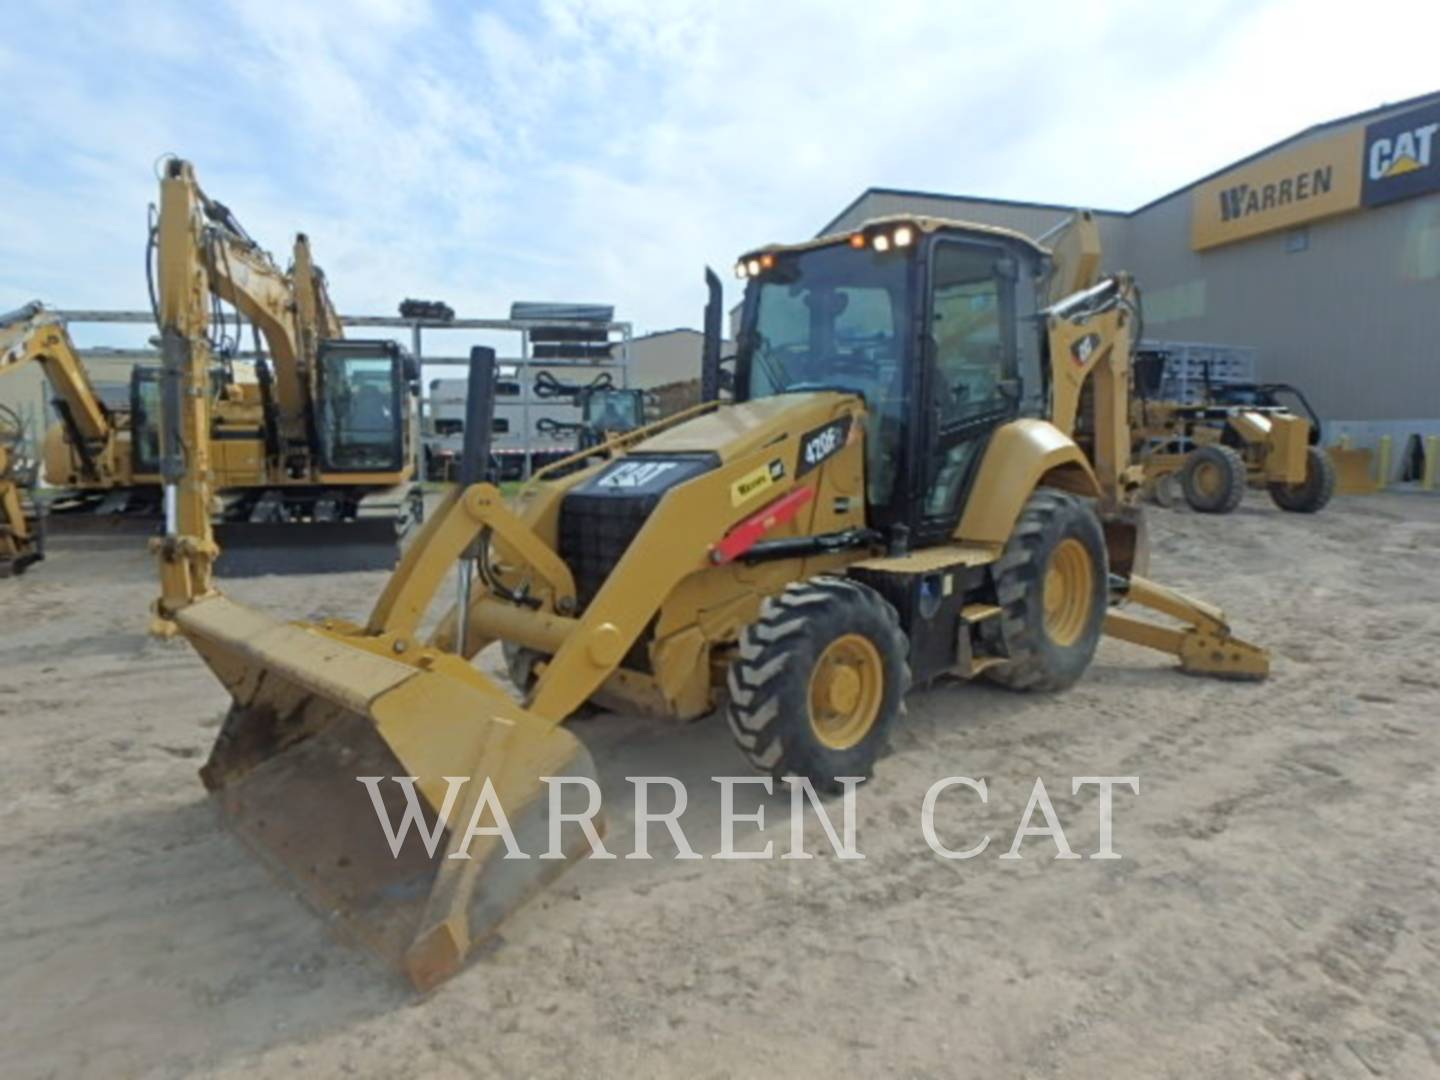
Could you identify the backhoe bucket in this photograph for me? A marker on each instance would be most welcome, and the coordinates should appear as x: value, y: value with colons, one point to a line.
x: 313, y: 713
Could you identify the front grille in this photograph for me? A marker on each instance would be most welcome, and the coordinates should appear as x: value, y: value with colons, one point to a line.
x: 595, y: 532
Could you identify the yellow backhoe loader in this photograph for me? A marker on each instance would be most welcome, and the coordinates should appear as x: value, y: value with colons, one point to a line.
x: 924, y: 473
x: 22, y: 540
x: 314, y: 462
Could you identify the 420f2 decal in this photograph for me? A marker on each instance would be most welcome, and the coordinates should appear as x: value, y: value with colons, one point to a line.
x: 822, y: 443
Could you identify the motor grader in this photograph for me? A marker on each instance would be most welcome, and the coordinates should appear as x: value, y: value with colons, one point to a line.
x: 923, y: 474
x: 315, y: 461
x: 1241, y: 435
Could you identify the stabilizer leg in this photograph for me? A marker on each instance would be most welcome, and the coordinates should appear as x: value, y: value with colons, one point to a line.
x: 1204, y: 645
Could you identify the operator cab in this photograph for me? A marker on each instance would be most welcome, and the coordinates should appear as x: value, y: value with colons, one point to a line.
x: 613, y: 410
x: 145, y: 409
x: 362, y: 416
x: 932, y: 323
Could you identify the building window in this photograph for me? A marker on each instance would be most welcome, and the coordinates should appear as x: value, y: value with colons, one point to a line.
x: 1297, y: 240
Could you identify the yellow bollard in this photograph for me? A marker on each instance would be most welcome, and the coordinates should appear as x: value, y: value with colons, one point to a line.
x: 1432, y: 459
x: 1382, y: 474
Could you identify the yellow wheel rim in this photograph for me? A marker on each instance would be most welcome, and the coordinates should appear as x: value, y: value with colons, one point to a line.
x: 1069, y: 592
x: 846, y: 687
x: 1207, y: 478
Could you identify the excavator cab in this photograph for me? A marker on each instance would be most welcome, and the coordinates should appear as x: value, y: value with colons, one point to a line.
x: 363, y: 418
x: 145, y: 420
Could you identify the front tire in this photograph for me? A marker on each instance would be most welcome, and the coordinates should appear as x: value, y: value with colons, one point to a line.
x: 1052, y: 582
x: 1312, y: 493
x: 1213, y: 479
x: 819, y: 681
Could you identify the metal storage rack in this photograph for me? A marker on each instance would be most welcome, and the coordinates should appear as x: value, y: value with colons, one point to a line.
x: 1191, y: 363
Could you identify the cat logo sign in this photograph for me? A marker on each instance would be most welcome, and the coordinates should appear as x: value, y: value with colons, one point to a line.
x: 1402, y: 156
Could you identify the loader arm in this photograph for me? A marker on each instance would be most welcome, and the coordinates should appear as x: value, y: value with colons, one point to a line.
x: 35, y: 334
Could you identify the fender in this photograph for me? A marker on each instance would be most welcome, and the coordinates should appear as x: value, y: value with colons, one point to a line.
x: 1022, y: 455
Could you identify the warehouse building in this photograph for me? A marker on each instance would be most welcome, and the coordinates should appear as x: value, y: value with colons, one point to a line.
x: 1321, y: 253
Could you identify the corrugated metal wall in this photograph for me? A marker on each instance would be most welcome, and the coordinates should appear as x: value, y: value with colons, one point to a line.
x: 1353, y: 318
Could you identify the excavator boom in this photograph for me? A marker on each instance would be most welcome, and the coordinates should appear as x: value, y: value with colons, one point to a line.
x: 34, y: 334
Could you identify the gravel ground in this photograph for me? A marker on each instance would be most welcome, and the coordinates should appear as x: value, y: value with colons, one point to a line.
x: 1275, y: 912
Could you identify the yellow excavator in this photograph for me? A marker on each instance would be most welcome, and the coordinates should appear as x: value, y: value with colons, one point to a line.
x: 22, y: 539
x: 313, y: 455
x: 923, y: 474
x: 314, y: 462
x: 91, y: 452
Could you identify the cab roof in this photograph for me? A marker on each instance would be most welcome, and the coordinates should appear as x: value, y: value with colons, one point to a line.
x: 924, y: 224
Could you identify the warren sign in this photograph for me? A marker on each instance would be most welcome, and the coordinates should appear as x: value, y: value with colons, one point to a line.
x: 1281, y: 191
x: 1391, y: 159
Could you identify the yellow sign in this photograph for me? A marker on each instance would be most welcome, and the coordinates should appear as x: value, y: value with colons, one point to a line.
x: 1312, y: 181
x: 751, y: 484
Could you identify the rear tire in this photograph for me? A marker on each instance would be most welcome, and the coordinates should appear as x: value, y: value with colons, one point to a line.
x: 1052, y: 582
x: 1213, y: 479
x: 819, y: 681
x: 1314, y: 492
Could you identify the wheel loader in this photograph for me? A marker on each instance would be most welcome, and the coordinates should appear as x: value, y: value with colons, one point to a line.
x: 1241, y: 435
x: 923, y: 474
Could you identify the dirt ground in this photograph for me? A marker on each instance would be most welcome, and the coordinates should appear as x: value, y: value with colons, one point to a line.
x: 1276, y: 911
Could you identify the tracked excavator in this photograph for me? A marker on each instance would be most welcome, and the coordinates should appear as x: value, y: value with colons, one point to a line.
x: 92, y: 453
x: 314, y: 462
x: 923, y: 474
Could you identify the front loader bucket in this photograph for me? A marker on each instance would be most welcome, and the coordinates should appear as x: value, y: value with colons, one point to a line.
x: 313, y: 713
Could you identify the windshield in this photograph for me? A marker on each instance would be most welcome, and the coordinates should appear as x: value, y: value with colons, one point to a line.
x: 613, y: 410
x: 145, y: 421
x: 360, y: 406
x: 832, y: 318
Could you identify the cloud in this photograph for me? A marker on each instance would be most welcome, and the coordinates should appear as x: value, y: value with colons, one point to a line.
x: 605, y: 150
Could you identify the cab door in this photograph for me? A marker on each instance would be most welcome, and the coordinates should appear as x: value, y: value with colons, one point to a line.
x: 970, y: 373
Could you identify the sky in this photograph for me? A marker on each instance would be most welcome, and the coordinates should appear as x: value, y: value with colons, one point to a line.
x: 606, y: 150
